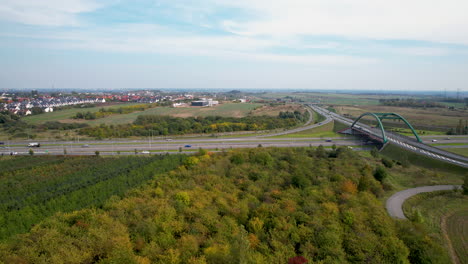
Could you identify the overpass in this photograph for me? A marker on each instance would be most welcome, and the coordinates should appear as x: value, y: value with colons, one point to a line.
x: 379, y: 134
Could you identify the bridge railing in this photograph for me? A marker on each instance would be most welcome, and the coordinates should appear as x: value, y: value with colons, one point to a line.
x: 427, y: 147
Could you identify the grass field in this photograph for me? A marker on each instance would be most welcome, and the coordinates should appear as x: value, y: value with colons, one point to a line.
x: 230, y: 109
x: 461, y: 151
x: 396, y: 153
x: 457, y: 230
x: 67, y: 114
x: 321, y: 131
x: 449, y: 207
x: 330, y: 98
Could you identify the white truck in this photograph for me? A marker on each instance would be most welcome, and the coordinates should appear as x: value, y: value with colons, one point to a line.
x: 34, y: 145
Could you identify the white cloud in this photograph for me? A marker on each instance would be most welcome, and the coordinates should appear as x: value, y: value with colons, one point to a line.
x: 146, y: 38
x: 45, y: 12
x: 426, y: 20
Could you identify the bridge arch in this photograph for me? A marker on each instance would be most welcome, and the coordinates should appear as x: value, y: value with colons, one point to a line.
x: 381, y: 116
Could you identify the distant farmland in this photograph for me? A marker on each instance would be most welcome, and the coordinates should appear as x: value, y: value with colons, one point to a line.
x: 67, y: 114
x: 229, y: 109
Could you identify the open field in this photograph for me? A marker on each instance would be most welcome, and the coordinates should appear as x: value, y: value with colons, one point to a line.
x: 67, y: 114
x: 275, y: 110
x: 457, y: 230
x: 438, y: 206
x: 230, y: 109
x: 396, y: 153
x: 439, y: 119
x: 330, y: 98
x: 461, y: 151
x: 321, y: 131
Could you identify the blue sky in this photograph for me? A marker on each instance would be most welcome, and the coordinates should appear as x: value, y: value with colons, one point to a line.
x: 296, y: 44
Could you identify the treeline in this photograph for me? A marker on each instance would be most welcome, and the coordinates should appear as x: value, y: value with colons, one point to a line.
x: 103, y: 112
x: 247, y: 206
x: 147, y: 125
x: 32, y: 193
x: 409, y: 103
x: 460, y: 129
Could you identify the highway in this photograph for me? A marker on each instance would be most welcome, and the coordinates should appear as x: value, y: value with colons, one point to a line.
x: 125, y: 146
x: 110, y: 147
x: 400, y: 140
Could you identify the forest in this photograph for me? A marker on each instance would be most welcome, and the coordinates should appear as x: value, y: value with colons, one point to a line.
x: 262, y: 205
x: 147, y: 125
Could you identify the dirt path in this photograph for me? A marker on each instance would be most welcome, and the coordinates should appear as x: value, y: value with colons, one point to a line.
x: 443, y: 226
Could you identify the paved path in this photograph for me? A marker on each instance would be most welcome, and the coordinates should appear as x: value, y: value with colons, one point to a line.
x: 394, y: 204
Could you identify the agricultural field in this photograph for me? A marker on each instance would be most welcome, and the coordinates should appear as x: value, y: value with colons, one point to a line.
x: 328, y: 98
x: 67, y: 114
x: 439, y: 119
x: 447, y: 207
x: 269, y: 110
x: 38, y: 187
x: 230, y: 109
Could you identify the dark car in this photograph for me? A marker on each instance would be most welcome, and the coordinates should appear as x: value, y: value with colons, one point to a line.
x: 188, y: 146
x: 2, y: 143
x: 328, y: 140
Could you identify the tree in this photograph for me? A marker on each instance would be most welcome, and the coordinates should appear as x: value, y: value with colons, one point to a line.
x: 97, y: 153
x: 375, y: 152
x: 31, y: 152
x: 320, y: 152
x: 465, y: 185
x: 36, y: 110
x: 380, y: 173
x: 387, y: 162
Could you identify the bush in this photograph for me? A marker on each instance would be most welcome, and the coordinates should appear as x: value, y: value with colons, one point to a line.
x: 387, y: 162
x: 380, y: 173
x: 465, y: 185
x: 375, y: 152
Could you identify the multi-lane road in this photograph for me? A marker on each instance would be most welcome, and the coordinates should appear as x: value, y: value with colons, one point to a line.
x: 110, y: 147
x: 400, y: 140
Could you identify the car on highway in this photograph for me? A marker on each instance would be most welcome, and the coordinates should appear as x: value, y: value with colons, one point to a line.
x: 168, y: 139
x: 2, y: 143
x: 34, y: 145
x: 145, y: 152
x: 434, y: 140
x: 85, y: 146
x: 188, y: 146
x: 328, y: 140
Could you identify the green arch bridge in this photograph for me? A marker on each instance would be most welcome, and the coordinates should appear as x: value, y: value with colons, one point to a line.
x: 392, y: 116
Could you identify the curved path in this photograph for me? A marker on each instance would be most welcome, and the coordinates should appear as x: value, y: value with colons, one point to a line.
x: 394, y: 204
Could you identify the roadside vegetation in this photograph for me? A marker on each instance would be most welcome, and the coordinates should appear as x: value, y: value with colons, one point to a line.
x: 104, y: 112
x: 147, y: 125
x: 444, y: 215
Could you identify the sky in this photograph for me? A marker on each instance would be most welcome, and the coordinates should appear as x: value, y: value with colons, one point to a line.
x: 266, y: 44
